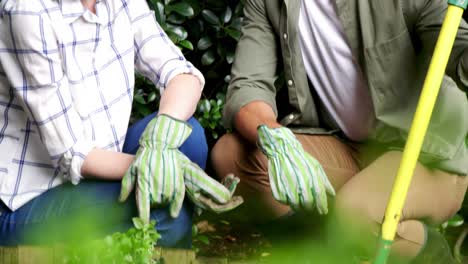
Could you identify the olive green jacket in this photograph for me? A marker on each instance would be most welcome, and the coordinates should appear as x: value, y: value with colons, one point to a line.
x: 392, y: 40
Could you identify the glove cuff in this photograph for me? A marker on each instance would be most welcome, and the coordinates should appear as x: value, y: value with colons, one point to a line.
x: 270, y: 140
x: 166, y: 130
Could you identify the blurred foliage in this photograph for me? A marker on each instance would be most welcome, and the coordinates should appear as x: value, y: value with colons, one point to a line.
x: 135, y: 246
x: 207, y: 32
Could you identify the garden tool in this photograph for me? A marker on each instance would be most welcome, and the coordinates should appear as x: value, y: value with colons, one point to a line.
x: 419, y: 126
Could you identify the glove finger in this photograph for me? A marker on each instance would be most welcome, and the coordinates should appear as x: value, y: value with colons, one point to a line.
x: 200, y: 181
x: 307, y: 196
x: 266, y: 145
x: 326, y: 182
x: 143, y: 205
x: 304, y: 174
x: 210, y: 205
x: 163, y: 178
x: 230, y: 182
x: 194, y: 197
x: 291, y: 179
x: 318, y: 188
x: 276, y: 184
x: 128, y: 183
x: 145, y: 177
x: 178, y: 197
x: 322, y: 175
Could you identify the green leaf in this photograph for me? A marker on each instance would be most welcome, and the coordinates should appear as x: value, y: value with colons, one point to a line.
x: 159, y: 13
x: 455, y: 221
x: 206, y: 104
x: 204, y: 43
x: 138, y: 223
x: 175, y: 19
x: 186, y: 44
x: 139, y: 99
x: 237, y: 23
x: 195, y: 4
x: 226, y: 15
x: 230, y: 56
x: 204, y: 239
x: 182, y: 8
x: 210, y: 17
x: 239, y: 8
x: 235, y: 34
x: 194, y: 230
x: 179, y: 31
x: 151, y: 97
x: 221, y: 51
x: 208, y: 58
x: 174, y: 38
x: 225, y: 222
x: 152, y: 4
x: 217, y: 115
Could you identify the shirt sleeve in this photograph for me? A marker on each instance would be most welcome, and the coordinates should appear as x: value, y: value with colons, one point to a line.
x: 255, y: 65
x: 34, y: 69
x: 430, y: 16
x: 157, y: 58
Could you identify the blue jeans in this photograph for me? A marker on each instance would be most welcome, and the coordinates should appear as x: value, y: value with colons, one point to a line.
x: 91, y: 209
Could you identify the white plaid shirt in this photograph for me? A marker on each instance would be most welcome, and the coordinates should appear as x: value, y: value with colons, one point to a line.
x: 66, y: 85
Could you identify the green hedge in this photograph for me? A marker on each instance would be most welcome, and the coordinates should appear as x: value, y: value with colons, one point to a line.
x: 207, y: 33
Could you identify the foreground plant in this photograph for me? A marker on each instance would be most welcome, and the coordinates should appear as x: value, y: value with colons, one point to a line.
x: 134, y: 246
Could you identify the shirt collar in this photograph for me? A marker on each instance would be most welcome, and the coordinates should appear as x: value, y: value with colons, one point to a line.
x: 73, y: 9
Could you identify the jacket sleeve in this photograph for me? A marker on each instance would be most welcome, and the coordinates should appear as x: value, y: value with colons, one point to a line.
x: 254, y: 69
x: 429, y: 16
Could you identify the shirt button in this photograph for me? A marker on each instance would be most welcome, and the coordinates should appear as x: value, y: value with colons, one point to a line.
x: 291, y: 116
x: 290, y: 83
x: 285, y: 36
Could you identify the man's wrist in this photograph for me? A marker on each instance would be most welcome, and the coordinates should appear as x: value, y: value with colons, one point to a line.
x: 272, y: 124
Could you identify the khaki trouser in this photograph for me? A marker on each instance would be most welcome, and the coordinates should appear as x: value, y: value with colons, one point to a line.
x: 363, y: 185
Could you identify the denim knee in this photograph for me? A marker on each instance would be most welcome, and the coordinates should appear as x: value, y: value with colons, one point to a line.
x: 196, y: 147
x: 175, y: 232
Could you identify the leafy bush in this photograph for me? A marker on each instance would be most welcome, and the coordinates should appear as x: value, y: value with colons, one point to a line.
x: 207, y: 33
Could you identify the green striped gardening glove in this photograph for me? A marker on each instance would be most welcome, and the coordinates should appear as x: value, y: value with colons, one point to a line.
x: 296, y: 178
x: 157, y: 170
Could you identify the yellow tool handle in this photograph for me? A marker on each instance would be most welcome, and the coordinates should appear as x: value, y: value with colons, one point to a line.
x: 421, y: 120
x: 419, y: 126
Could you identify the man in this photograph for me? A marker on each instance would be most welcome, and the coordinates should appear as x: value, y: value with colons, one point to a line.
x: 345, y: 76
x: 66, y: 91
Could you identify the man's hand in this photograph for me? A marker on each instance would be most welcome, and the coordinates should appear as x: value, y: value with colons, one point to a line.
x: 296, y: 178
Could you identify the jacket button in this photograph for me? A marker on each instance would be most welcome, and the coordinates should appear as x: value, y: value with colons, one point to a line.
x: 290, y: 83
x: 285, y: 36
